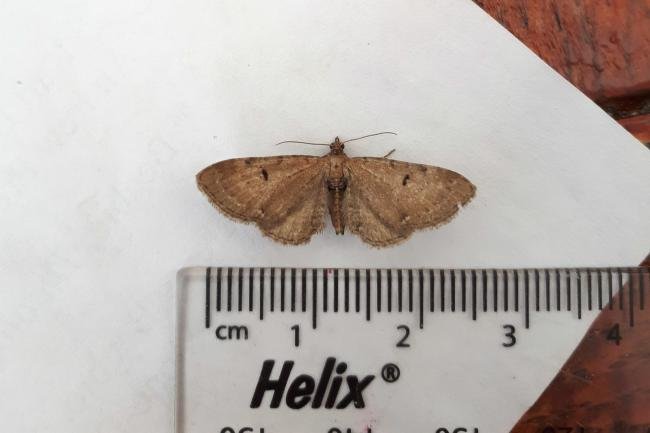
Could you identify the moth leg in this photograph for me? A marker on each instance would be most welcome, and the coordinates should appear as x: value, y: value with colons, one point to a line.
x: 389, y: 154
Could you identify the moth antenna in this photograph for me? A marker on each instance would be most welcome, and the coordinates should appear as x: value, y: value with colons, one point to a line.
x: 370, y: 135
x: 302, y: 142
x: 389, y: 154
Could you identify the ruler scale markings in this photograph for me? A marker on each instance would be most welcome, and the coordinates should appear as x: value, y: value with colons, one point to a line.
x: 442, y: 290
x: 589, y: 291
x: 240, y: 289
x: 229, y: 285
x: 336, y: 290
x: 208, y: 307
x: 453, y: 290
x: 599, y: 285
x: 463, y: 290
x: 389, y: 284
x: 421, y: 279
x: 474, y: 300
x: 251, y: 297
x: 579, y: 293
x: 272, y: 288
x: 568, y: 290
x: 558, y: 297
x: 432, y: 291
x: 484, y: 283
x: 547, y: 284
x: 630, y: 286
x: 399, y: 290
x: 495, y: 290
x: 410, y: 273
x: 261, y: 293
x: 516, y: 289
x: 621, y: 292
x: 325, y: 297
x: 368, y: 295
x: 537, y: 303
x: 611, y: 289
x: 357, y: 287
x: 378, y: 284
x: 293, y: 290
x: 303, y: 290
x: 282, y: 289
x: 218, y: 289
x: 505, y: 290
x: 346, y: 283
x: 222, y: 284
x: 527, y: 298
x: 314, y: 298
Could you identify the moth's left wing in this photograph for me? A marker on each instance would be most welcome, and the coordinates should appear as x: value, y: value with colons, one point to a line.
x: 387, y: 200
x: 284, y: 195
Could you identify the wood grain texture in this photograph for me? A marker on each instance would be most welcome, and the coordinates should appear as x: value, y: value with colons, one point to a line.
x: 639, y: 126
x: 601, y: 46
x: 602, y: 387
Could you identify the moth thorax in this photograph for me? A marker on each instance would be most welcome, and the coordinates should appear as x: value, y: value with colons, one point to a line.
x: 337, y: 184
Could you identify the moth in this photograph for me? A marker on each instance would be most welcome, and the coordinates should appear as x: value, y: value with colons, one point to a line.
x: 381, y: 200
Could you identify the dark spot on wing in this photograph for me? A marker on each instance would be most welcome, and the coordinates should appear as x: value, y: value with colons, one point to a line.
x: 248, y: 161
x: 423, y: 167
x: 406, y: 179
x: 265, y: 174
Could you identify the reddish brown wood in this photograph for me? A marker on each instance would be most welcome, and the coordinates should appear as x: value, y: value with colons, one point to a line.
x: 639, y: 126
x: 602, y: 387
x: 601, y: 46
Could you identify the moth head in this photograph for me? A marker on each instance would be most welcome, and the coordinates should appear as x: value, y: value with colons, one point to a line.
x: 337, y: 146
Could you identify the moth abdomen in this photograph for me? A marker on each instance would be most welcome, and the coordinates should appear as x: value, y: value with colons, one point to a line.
x: 337, y: 187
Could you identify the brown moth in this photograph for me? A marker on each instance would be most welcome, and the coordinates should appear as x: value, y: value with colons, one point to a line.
x: 380, y: 199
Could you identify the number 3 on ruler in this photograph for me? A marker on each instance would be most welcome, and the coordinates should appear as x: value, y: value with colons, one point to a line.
x: 510, y: 335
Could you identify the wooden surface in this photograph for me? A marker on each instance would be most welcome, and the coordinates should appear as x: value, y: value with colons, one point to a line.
x: 603, y: 387
x: 601, y: 46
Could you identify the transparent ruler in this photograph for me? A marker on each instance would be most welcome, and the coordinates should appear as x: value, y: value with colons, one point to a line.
x: 282, y: 350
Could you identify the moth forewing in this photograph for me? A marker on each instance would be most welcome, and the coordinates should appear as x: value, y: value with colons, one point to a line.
x: 389, y: 199
x: 279, y: 193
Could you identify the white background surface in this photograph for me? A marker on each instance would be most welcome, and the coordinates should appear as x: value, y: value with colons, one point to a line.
x: 108, y: 109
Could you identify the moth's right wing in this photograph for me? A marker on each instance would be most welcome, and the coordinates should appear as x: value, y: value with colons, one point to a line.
x: 284, y: 195
x: 387, y: 200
